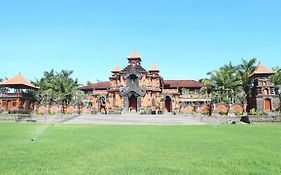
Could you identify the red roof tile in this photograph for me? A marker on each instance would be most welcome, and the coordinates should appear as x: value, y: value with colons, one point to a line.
x: 98, y: 85
x: 183, y: 83
x: 18, y: 81
x: 261, y: 69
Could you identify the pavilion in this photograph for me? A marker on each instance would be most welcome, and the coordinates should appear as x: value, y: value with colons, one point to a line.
x: 17, y: 94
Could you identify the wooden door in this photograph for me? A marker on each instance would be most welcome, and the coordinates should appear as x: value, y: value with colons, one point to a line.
x: 9, y: 104
x: 133, y: 103
x: 267, y: 105
x: 168, y: 104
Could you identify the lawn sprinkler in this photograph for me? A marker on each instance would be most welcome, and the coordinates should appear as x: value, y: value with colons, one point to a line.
x: 39, y: 132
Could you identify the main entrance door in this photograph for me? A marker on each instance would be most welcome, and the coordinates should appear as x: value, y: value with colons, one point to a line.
x: 9, y: 105
x: 168, y: 104
x: 133, y: 103
x: 267, y: 105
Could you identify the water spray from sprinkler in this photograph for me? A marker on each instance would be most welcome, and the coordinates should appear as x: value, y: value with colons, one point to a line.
x: 39, y: 132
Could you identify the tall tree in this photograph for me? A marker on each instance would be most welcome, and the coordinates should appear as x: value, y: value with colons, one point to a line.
x: 223, y: 84
x: 276, y: 80
x: 57, y: 88
x: 2, y: 89
x: 244, y: 71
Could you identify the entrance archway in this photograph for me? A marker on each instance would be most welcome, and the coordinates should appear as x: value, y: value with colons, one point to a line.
x: 9, y: 104
x: 132, y: 103
x: 102, y: 105
x: 168, y: 104
x: 267, y: 105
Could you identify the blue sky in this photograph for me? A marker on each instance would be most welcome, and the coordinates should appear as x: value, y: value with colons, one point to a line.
x: 186, y: 39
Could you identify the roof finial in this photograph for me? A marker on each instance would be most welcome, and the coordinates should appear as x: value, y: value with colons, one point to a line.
x: 116, y: 69
x: 154, y: 68
x: 134, y: 55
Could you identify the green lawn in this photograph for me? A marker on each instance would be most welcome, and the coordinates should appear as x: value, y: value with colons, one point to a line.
x: 106, y: 149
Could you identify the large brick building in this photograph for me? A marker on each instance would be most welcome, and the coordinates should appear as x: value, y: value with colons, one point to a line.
x: 135, y: 89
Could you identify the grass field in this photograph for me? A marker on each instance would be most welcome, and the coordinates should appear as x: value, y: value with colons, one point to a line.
x: 105, y: 149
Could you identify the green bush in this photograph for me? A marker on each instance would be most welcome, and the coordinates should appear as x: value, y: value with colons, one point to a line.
x: 52, y: 113
x: 223, y: 112
x: 261, y: 113
x: 117, y: 111
x: 144, y: 111
x: 252, y: 112
x: 238, y: 113
x: 39, y: 113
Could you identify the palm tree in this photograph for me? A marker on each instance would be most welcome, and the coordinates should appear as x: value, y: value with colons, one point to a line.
x: 276, y: 80
x: 57, y: 88
x: 45, y: 94
x: 1, y: 88
x: 223, y: 84
x: 244, y: 71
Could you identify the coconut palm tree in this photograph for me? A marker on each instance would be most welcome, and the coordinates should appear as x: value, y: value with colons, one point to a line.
x: 223, y: 84
x: 276, y: 80
x: 244, y: 71
x: 57, y: 88
x: 1, y: 88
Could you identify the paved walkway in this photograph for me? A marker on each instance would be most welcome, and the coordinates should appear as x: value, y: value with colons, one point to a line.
x: 149, y: 119
x: 126, y: 119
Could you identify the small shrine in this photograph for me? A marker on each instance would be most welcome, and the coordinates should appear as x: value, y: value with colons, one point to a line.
x: 264, y: 96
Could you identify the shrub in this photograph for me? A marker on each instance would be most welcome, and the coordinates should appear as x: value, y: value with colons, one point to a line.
x: 261, y: 113
x: 117, y: 111
x: 223, y: 112
x: 144, y: 111
x: 39, y: 113
x: 252, y: 112
x: 238, y: 113
x: 52, y: 113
